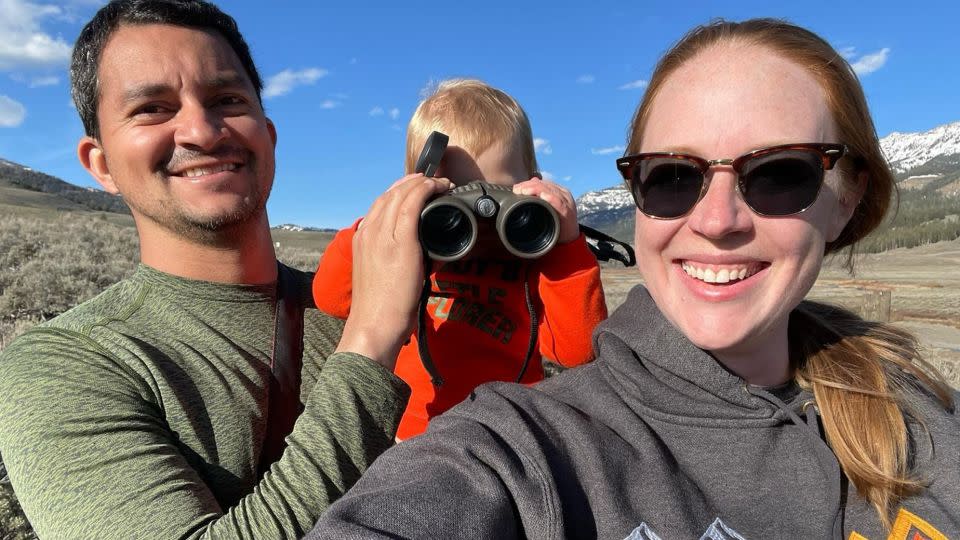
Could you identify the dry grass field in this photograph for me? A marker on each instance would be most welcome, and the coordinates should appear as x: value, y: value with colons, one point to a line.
x: 917, y: 289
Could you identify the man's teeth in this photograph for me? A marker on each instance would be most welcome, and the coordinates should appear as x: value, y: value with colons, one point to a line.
x: 717, y: 275
x: 201, y: 171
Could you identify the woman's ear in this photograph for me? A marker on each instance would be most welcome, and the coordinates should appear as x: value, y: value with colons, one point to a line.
x: 848, y: 198
x: 95, y: 162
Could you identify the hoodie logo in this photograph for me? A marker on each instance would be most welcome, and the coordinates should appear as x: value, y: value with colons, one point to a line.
x: 908, y: 526
x: 717, y: 530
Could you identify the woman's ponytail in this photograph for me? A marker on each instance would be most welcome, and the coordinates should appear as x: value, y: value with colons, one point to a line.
x: 860, y: 372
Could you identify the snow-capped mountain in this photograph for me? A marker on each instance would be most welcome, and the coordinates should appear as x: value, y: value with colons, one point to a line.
x: 289, y: 227
x: 603, y: 200
x: 609, y: 210
x: 906, y: 151
x: 292, y: 227
x: 920, y: 160
x: 15, y: 166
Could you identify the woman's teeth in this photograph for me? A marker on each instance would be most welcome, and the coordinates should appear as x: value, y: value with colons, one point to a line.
x: 722, y: 274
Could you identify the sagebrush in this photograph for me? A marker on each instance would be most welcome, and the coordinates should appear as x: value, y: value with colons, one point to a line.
x: 46, y: 268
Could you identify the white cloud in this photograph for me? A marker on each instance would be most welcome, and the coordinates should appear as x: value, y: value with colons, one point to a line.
x: 12, y: 112
x: 428, y: 89
x: 633, y: 85
x: 542, y: 146
x: 869, y: 63
x: 547, y: 175
x: 393, y: 112
x: 24, y: 43
x: 848, y: 52
x: 329, y: 104
x: 51, y: 80
x: 586, y: 79
x: 606, y: 151
x: 284, y: 82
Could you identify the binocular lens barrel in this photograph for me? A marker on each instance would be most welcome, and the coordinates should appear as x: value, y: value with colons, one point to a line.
x: 529, y: 229
x: 447, y: 231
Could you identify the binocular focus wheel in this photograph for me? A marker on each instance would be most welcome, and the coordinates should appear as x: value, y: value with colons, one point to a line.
x: 486, y: 206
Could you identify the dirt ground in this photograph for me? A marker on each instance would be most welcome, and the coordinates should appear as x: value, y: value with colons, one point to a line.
x: 917, y: 289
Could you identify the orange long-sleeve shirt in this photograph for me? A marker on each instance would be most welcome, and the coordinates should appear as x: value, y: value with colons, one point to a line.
x: 479, y: 325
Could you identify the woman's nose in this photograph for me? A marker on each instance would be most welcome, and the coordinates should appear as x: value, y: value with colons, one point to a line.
x: 721, y: 211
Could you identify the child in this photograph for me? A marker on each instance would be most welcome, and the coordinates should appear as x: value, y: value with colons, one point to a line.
x: 478, y: 323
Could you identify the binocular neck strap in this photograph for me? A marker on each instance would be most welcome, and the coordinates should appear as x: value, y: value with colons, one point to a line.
x: 604, y: 250
x: 534, y: 324
x: 424, y: 350
x: 425, y: 357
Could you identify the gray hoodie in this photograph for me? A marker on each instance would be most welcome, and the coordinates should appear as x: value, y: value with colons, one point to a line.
x: 653, y: 440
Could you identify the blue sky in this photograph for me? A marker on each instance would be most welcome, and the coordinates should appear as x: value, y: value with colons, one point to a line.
x: 343, y: 78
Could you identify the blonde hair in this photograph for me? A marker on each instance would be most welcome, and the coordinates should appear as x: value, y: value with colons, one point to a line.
x: 476, y: 116
x: 860, y: 372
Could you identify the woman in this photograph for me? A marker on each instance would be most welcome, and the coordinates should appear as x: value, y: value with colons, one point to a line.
x: 721, y: 405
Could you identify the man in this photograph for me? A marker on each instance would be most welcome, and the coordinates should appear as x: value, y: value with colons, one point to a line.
x: 165, y: 407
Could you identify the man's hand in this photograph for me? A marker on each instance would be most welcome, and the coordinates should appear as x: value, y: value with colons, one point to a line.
x: 388, y: 270
x: 560, y: 199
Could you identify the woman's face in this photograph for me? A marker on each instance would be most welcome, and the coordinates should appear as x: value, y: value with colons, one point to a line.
x: 725, y: 102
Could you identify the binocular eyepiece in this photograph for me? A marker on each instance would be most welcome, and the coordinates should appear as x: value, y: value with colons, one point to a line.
x: 527, y: 226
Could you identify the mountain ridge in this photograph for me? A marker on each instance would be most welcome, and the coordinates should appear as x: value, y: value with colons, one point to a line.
x: 62, y: 195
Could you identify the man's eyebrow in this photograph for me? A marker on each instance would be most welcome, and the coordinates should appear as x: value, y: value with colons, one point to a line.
x: 144, y: 91
x: 226, y: 80
x: 216, y: 82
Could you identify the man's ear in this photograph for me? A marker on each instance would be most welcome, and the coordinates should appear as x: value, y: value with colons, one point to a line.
x: 849, y: 196
x: 94, y: 161
x: 273, y: 131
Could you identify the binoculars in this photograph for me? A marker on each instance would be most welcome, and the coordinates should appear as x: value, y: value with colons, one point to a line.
x: 450, y: 224
x: 527, y: 226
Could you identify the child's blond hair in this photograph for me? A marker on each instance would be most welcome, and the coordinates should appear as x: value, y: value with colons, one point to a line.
x: 476, y: 116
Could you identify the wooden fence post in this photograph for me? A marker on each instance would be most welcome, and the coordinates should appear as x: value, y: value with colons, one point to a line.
x: 876, y: 304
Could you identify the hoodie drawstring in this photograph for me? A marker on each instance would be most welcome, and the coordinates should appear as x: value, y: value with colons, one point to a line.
x: 810, y: 427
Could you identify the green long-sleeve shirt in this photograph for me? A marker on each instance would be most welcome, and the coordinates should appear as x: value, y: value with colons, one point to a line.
x: 141, y: 414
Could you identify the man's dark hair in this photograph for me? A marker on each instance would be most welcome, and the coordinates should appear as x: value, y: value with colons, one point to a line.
x: 84, y: 67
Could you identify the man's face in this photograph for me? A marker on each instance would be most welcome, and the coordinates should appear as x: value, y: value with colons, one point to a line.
x: 182, y: 134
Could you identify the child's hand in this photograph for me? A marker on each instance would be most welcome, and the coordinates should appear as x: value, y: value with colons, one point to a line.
x: 560, y: 199
x: 388, y: 271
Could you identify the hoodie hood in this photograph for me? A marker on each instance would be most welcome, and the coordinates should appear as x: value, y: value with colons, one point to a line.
x: 675, y: 380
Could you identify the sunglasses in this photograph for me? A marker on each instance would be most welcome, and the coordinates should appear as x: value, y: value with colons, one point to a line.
x: 776, y: 181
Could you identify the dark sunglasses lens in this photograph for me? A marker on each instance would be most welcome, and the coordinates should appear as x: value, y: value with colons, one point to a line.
x: 782, y: 183
x: 666, y: 187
